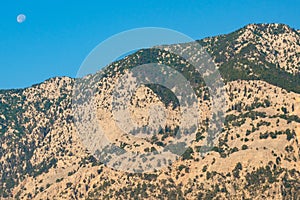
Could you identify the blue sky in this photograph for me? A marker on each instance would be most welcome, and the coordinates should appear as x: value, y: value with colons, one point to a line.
x: 58, y: 34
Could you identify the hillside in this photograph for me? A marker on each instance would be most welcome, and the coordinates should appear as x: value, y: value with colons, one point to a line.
x: 256, y: 155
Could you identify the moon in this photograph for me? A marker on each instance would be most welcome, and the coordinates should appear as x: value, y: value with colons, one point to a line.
x: 21, y: 18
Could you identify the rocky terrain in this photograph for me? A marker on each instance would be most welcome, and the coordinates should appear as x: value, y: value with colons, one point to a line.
x: 256, y: 155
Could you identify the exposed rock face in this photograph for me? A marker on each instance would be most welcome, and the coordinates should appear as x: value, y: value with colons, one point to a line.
x: 256, y: 156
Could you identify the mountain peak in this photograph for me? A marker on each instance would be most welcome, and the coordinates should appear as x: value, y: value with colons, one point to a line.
x: 269, y: 26
x: 265, y: 44
x: 276, y: 28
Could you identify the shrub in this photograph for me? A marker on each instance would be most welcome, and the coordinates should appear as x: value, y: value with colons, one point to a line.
x: 244, y: 147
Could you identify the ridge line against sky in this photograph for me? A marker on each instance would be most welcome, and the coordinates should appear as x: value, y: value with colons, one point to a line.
x: 56, y: 36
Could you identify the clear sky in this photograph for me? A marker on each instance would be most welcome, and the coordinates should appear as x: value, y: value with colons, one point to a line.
x: 58, y: 34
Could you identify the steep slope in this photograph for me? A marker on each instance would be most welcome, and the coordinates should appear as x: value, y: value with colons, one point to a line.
x: 256, y: 156
x: 27, y: 116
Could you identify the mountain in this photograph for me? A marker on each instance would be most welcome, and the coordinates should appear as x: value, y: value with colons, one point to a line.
x: 256, y: 155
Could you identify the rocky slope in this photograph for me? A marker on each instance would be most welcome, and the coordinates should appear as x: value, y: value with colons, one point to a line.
x: 255, y: 157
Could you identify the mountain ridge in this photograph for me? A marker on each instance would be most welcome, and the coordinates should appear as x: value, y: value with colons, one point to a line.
x: 246, y: 27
